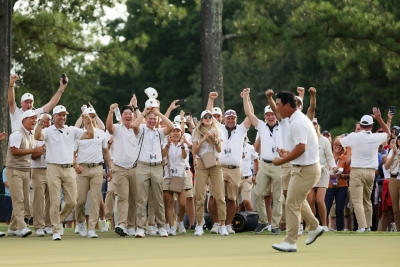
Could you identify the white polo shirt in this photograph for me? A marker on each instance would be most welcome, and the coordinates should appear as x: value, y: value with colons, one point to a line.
x: 16, y: 118
x: 125, y: 146
x: 91, y: 150
x: 15, y: 138
x: 302, y: 131
x: 364, y: 148
x: 41, y: 161
x: 60, y: 143
x: 270, y: 140
x: 151, y: 147
x: 249, y: 156
x: 232, y: 148
x: 209, y: 147
x: 285, y: 132
x: 176, y: 164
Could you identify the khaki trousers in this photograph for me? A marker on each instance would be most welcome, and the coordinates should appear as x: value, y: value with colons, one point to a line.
x: 150, y: 178
x: 394, y: 189
x: 91, y: 179
x: 57, y: 178
x: 300, y: 184
x: 200, y: 188
x: 19, y: 184
x: 110, y: 198
x: 41, y: 199
x: 126, y: 189
x: 361, y: 183
x: 268, y: 174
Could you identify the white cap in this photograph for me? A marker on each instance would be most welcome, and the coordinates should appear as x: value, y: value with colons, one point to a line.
x: 268, y: 109
x: 315, y: 120
x: 366, y: 120
x: 299, y: 98
x: 29, y: 113
x: 177, y: 119
x: 177, y: 126
x: 151, y: 103
x: 59, y: 108
x: 205, y: 112
x: 151, y: 92
x: 26, y: 96
x: 89, y: 111
x: 216, y: 111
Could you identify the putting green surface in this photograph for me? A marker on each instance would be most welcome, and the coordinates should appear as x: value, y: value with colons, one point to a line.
x: 244, y: 249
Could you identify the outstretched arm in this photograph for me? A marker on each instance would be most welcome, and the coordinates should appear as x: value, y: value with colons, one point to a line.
x: 313, y: 103
x: 271, y: 102
x: 56, y: 97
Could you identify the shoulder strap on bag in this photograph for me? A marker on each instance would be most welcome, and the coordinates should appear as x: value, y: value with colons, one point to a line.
x: 140, y: 149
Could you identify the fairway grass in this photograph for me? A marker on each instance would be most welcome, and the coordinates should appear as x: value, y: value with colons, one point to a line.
x: 244, y: 249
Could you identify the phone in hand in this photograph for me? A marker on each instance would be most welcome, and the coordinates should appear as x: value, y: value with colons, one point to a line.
x: 181, y: 102
x: 63, y: 77
x: 195, y: 121
x: 392, y: 109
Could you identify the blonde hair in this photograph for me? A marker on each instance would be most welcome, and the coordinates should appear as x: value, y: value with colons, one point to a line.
x: 318, y: 130
x: 200, y: 131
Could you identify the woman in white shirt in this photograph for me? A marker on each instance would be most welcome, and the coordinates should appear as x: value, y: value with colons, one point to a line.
x: 317, y: 193
x: 175, y: 150
x: 207, y: 143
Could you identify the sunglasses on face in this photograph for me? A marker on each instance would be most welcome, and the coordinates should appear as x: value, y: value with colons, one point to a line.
x: 207, y: 117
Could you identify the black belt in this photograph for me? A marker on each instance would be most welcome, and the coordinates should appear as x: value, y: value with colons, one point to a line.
x: 393, y: 176
x: 39, y: 168
x: 91, y: 164
x: 65, y: 166
x: 229, y: 166
x: 245, y: 177
x: 267, y: 161
x: 187, y: 168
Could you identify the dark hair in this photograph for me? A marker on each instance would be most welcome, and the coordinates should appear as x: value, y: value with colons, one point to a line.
x: 365, y: 126
x: 287, y: 97
x: 125, y: 107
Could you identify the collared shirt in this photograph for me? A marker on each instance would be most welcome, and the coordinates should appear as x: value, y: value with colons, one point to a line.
x: 285, y: 132
x: 302, y: 131
x: 91, y: 150
x: 60, y: 143
x: 16, y: 138
x: 151, y: 147
x: 270, y: 140
x: 249, y: 156
x: 41, y: 161
x: 125, y: 146
x: 176, y: 164
x: 16, y: 118
x: 232, y: 147
x: 364, y: 148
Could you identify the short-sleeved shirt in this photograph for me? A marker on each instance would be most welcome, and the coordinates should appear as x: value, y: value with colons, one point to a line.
x: 364, y: 148
x: 91, y: 150
x: 285, y: 132
x: 176, y: 164
x: 232, y: 147
x: 16, y: 118
x: 41, y: 161
x: 6, y: 190
x: 302, y: 131
x: 208, y: 146
x: 151, y: 144
x: 16, y: 138
x: 270, y: 140
x: 125, y: 146
x: 60, y: 143
x: 249, y: 156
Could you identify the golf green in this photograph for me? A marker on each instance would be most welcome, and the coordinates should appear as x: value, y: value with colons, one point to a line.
x: 244, y: 249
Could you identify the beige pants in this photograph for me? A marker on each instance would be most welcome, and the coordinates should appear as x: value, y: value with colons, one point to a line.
x: 57, y: 178
x: 41, y: 200
x: 301, y: 182
x: 110, y: 198
x: 200, y: 187
x: 126, y: 189
x: 361, y: 183
x: 268, y: 174
x: 232, y: 180
x: 150, y: 178
x: 19, y: 184
x: 91, y: 179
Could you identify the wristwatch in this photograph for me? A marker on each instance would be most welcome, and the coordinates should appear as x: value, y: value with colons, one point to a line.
x: 136, y: 108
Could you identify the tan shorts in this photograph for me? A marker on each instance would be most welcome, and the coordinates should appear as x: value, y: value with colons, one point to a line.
x: 232, y: 181
x: 245, y: 188
x: 187, y: 183
x: 286, y: 169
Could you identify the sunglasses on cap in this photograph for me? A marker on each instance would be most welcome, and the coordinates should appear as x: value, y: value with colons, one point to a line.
x: 207, y: 117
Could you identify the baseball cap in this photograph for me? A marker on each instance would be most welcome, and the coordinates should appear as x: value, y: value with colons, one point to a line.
x: 326, y: 132
x: 177, y: 126
x: 59, y: 108
x: 230, y: 112
x: 206, y: 112
x: 177, y: 120
x: 267, y: 109
x: 315, y: 121
x: 26, y: 96
x: 366, y: 120
x: 216, y: 111
x: 151, y: 103
x: 151, y: 92
x: 299, y: 98
x: 29, y: 113
x: 89, y: 111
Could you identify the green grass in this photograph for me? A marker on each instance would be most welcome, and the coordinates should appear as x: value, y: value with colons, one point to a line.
x: 244, y: 249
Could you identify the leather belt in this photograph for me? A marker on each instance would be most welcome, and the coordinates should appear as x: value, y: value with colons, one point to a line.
x: 267, y: 161
x: 229, y: 166
x: 393, y: 176
x: 65, y: 166
x: 40, y: 168
x: 91, y: 164
x: 151, y: 164
x: 245, y: 177
x: 297, y: 165
x: 187, y: 168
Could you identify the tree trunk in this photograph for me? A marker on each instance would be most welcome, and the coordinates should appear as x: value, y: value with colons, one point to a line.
x: 5, y: 64
x: 211, y: 51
